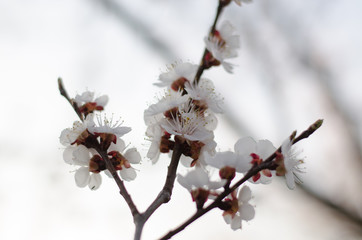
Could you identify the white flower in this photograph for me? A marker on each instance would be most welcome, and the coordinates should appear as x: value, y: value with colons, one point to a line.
x: 172, y: 99
x: 198, y: 183
x: 207, y: 148
x: 188, y: 124
x: 177, y: 75
x: 228, y: 159
x: 88, y: 97
x: 254, y: 153
x: 198, y: 178
x: 83, y: 178
x: 69, y: 135
x: 107, y: 126
x: 241, y: 209
x: 128, y: 157
x: 291, y: 164
x: 81, y: 156
x: 204, y: 94
x: 223, y: 44
x: 238, y: 2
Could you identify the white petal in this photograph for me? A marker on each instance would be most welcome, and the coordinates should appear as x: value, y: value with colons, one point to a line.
x: 211, y: 122
x: 227, y: 218
x: 119, y: 146
x: 264, y: 179
x: 228, y: 66
x: 265, y: 148
x: 247, y: 212
x: 216, y: 185
x: 81, y: 177
x: 81, y: 156
x: 68, y: 136
x: 183, y: 181
x: 290, y: 180
x: 154, y: 152
x: 198, y: 135
x: 236, y: 223
x: 95, y: 181
x: 198, y: 177
x: 133, y: 156
x: 120, y: 131
x: 186, y: 161
x: 102, y: 100
x: 243, y: 163
x: 68, y: 155
x: 128, y: 174
x: 244, y: 194
x: 245, y: 146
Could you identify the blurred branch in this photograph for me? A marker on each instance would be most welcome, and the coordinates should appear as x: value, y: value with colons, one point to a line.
x: 138, y: 26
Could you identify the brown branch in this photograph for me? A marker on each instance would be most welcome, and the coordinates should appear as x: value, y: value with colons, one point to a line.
x: 165, y: 194
x: 64, y: 93
x: 267, y: 164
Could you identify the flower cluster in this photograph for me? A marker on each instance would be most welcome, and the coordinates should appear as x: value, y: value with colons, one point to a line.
x: 184, y: 114
x: 86, y: 139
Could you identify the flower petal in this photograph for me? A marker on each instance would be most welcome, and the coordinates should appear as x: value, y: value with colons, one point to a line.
x: 290, y: 180
x: 244, y: 194
x: 68, y: 155
x: 245, y: 146
x: 81, y: 177
x: 119, y: 146
x: 265, y: 148
x: 236, y: 223
x: 246, y: 211
x: 95, y: 181
x: 81, y: 156
x: 133, y: 156
x: 128, y: 174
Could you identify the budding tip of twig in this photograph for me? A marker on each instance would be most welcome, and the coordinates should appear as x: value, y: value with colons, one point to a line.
x: 292, y: 136
x: 60, y: 84
x: 317, y: 124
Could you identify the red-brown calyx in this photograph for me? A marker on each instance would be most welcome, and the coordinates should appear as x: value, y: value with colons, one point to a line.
x: 106, y: 139
x: 89, y: 107
x: 118, y: 160
x: 256, y: 160
x: 96, y: 164
x: 166, y: 144
x: 85, y: 138
x: 179, y: 84
x: 279, y: 161
x: 200, y: 196
x: 227, y: 173
x: 231, y: 205
x: 210, y: 61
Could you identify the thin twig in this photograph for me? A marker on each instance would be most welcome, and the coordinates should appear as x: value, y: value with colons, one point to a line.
x: 64, y: 93
x: 201, y: 68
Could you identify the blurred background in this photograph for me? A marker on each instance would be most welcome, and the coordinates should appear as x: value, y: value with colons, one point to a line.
x: 299, y: 61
